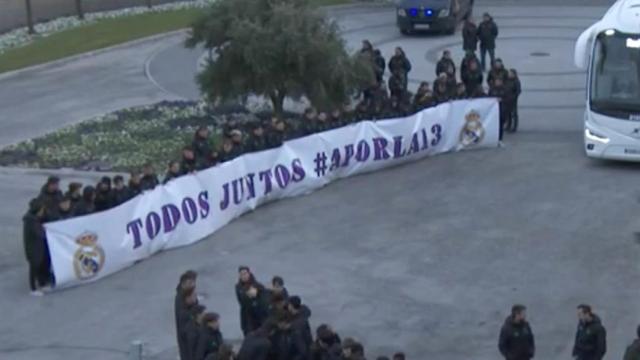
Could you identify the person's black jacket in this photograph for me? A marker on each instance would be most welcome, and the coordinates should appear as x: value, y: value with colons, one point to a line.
x: 256, y: 346
x: 497, y: 74
x: 149, y: 182
x: 443, y: 66
x: 591, y: 340
x: 256, y: 143
x: 512, y: 90
x: 397, y: 85
x: 83, y: 207
x: 187, y: 166
x: 104, y: 200
x: 487, y: 34
x: 379, y: 63
x: 59, y: 214
x: 193, y: 332
x: 208, y: 342
x: 50, y: 199
x: 331, y: 351
x: 301, y: 334
x: 253, y: 311
x: 201, y: 149
x: 170, y: 176
x: 401, y: 63
x: 120, y: 196
x: 34, y: 238
x: 472, y: 79
x: 469, y: 37
x: 133, y: 190
x: 182, y: 317
x: 516, y: 340
x: 633, y: 351
x: 282, y: 345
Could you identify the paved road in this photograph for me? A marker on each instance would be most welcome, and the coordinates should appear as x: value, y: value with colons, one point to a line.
x: 426, y: 257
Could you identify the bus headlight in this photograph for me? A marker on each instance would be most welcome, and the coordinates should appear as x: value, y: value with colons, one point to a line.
x: 594, y: 136
x: 443, y: 13
x: 402, y: 12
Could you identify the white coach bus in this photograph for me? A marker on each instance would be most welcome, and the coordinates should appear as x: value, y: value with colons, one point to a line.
x: 610, y: 51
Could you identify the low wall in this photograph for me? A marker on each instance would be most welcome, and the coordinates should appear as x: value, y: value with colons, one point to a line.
x: 13, y: 12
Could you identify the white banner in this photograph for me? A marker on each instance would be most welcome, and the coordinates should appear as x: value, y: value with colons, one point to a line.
x: 192, y: 207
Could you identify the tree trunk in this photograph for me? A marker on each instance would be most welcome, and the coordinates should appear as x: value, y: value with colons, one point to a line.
x: 277, y: 101
x: 79, y: 9
x: 32, y: 30
x: 149, y: 4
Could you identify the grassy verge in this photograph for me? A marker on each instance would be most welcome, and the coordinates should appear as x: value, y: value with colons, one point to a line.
x: 95, y: 36
x: 102, y: 34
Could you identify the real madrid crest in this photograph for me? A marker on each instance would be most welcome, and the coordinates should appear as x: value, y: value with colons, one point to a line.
x: 89, y: 258
x: 472, y: 132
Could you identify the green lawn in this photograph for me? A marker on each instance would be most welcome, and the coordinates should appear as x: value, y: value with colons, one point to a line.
x: 103, y: 34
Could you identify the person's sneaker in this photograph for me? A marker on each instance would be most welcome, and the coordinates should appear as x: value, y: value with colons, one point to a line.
x: 501, y: 144
x: 37, y: 293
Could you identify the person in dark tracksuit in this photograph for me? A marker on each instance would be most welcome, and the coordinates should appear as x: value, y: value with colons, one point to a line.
x: 301, y: 330
x: 135, y: 187
x: 487, y: 34
x: 472, y: 77
x: 193, y: 331
x: 256, y: 345
x: 50, y: 193
x: 120, y: 191
x: 201, y: 147
x: 252, y: 298
x: 633, y: 350
x: 185, y: 290
x: 86, y: 205
x: 469, y: 36
x: 104, y: 196
x: 149, y: 178
x: 515, y: 89
x: 210, y: 339
x: 34, y: 245
x: 380, y: 64
x: 497, y: 90
x: 516, y: 338
x: 327, y: 346
x: 74, y: 192
x: 445, y: 63
x: 591, y: 336
x: 399, y: 62
x: 63, y: 211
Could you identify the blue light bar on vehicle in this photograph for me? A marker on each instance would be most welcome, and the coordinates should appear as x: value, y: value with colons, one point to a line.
x: 428, y: 12
x: 413, y: 12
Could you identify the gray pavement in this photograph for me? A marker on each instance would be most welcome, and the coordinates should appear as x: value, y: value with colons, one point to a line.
x: 426, y: 257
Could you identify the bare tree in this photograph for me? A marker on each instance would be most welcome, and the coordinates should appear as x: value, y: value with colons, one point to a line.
x: 32, y: 30
x: 79, y: 9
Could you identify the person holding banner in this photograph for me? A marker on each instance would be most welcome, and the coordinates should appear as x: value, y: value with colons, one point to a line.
x: 35, y: 247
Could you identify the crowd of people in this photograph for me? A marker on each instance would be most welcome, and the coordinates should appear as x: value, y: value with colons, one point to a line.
x: 276, y: 326
x: 381, y: 100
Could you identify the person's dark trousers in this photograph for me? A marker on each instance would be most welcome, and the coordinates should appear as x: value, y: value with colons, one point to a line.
x: 514, y: 116
x: 502, y: 121
x: 44, y: 271
x: 34, y: 271
x: 483, y: 55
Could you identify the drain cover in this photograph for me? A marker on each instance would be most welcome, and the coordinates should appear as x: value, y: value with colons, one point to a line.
x: 539, y: 53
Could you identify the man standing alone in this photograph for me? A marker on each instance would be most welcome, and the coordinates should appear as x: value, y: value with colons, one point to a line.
x: 591, y: 336
x: 516, y: 338
x: 487, y: 34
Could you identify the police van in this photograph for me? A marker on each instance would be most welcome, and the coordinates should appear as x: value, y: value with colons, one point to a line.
x: 436, y: 15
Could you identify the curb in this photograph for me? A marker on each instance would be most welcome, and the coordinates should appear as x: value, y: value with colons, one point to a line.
x: 65, y: 60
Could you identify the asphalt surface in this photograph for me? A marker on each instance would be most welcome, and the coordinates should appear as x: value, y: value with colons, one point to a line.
x: 426, y: 258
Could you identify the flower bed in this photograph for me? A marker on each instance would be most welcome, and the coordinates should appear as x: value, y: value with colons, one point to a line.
x: 124, y: 140
x: 20, y: 37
